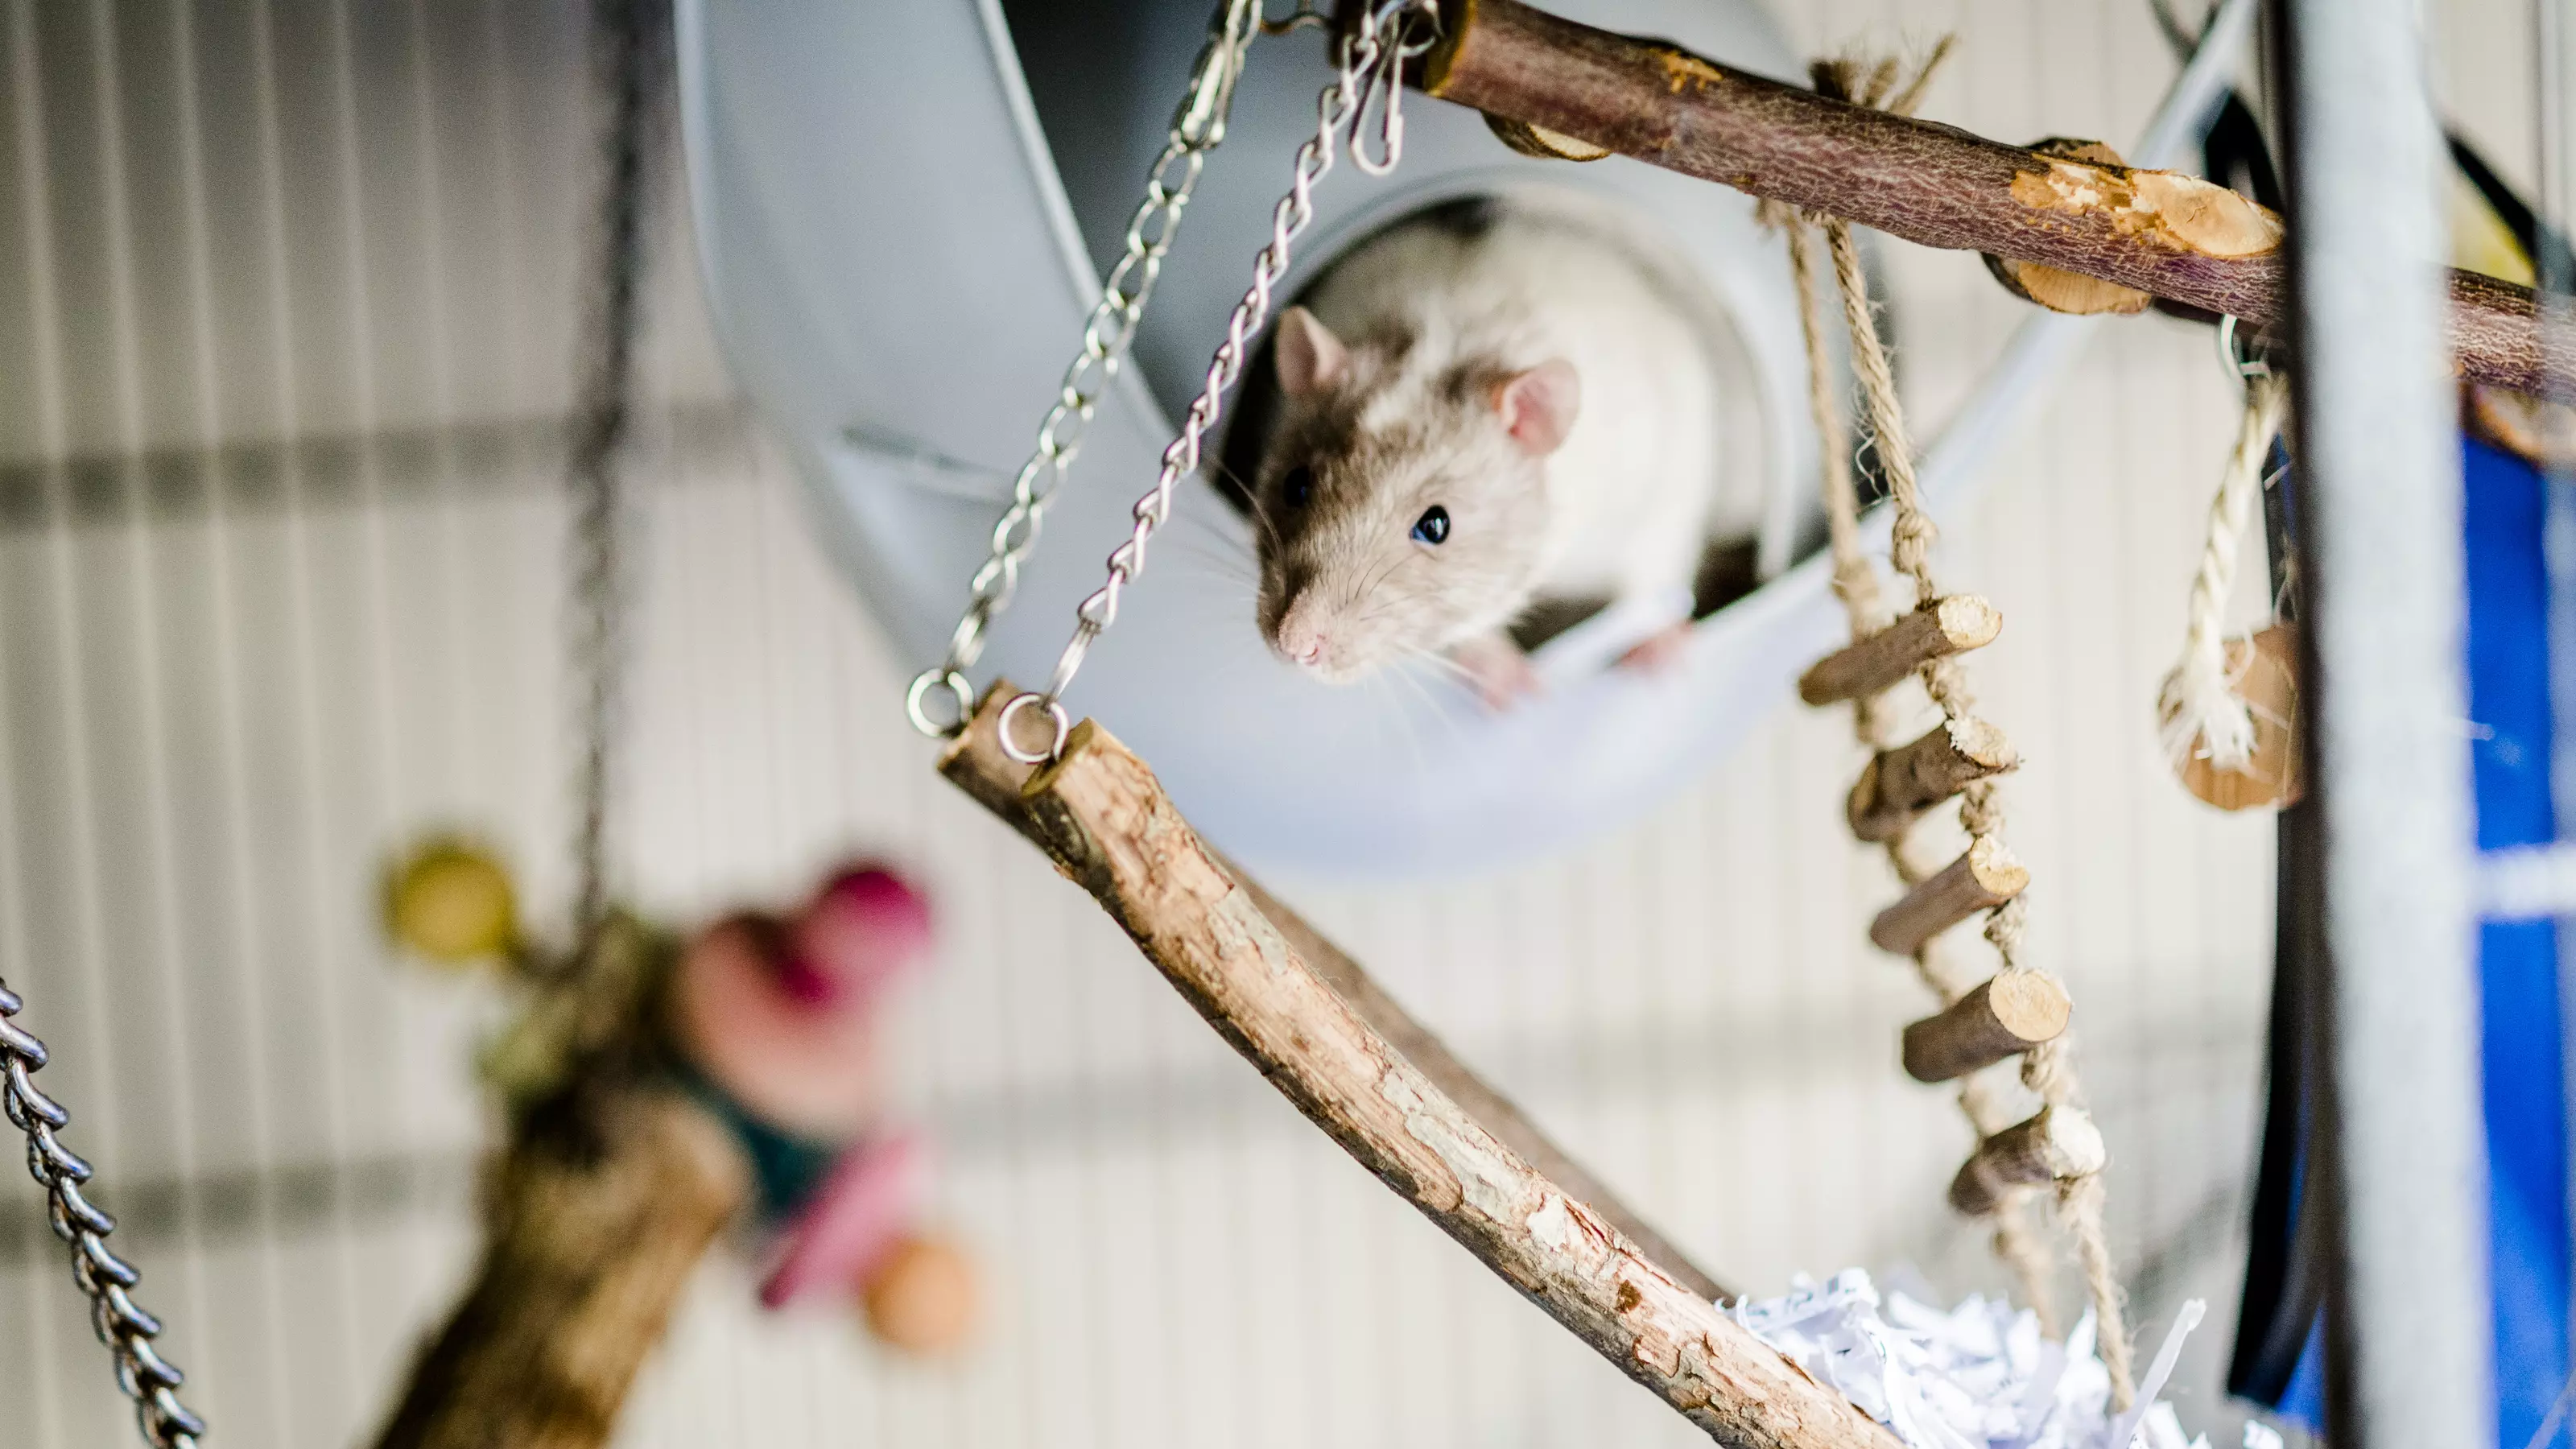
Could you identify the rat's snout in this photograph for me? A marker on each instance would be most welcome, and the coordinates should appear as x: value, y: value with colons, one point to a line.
x: 1305, y: 635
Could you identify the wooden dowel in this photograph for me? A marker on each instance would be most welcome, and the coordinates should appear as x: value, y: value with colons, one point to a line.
x: 2004, y: 1016
x: 1983, y: 877
x: 1865, y: 666
x: 599, y: 1212
x: 1901, y: 783
x: 1105, y: 821
x: 2157, y: 231
x: 976, y: 763
x: 2056, y: 1142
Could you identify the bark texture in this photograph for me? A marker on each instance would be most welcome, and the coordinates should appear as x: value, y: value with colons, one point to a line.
x: 1104, y: 820
x: 2158, y: 232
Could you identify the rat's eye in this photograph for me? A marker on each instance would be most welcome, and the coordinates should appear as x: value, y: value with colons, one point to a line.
x: 1432, y: 526
x: 1297, y: 485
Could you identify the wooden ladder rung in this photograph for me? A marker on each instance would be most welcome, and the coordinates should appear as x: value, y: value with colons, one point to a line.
x: 1865, y: 666
x: 2056, y: 1142
x: 2004, y: 1016
x: 1982, y: 878
x: 1901, y: 783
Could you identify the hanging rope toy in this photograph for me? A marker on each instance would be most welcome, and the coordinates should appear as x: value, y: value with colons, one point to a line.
x: 2020, y: 1010
x: 2227, y: 713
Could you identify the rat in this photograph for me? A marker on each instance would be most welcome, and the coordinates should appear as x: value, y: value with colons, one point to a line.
x: 1481, y: 408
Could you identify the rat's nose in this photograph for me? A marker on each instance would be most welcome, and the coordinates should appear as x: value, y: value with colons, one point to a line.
x: 1302, y: 638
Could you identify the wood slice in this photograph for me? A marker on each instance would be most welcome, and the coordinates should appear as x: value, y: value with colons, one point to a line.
x: 1865, y: 666
x: 1541, y: 142
x: 1982, y: 878
x: 1900, y: 784
x: 2055, y: 1143
x: 2004, y: 1016
x: 2266, y: 670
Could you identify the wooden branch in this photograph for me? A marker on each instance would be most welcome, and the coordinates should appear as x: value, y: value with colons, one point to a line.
x: 1982, y: 878
x: 1900, y: 784
x: 976, y: 764
x: 2056, y: 1142
x: 2004, y: 1016
x: 1106, y: 822
x: 1865, y: 666
x: 597, y: 1216
x: 2156, y: 231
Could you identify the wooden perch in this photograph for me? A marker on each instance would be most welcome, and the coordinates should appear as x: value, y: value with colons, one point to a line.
x: 2004, y: 1016
x: 1899, y: 784
x: 1104, y: 819
x: 2153, y: 231
x: 1982, y: 878
x: 2056, y: 1142
x: 1865, y: 666
x: 597, y: 1216
x: 977, y: 765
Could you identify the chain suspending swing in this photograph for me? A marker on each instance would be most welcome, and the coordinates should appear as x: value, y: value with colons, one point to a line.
x: 1369, y: 62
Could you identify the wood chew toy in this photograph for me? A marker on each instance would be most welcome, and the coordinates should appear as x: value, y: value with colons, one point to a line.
x: 2018, y: 1011
x: 1104, y: 820
x: 2054, y: 1144
x: 2002, y: 1016
x: 1898, y: 785
x: 1983, y: 877
x: 1869, y: 666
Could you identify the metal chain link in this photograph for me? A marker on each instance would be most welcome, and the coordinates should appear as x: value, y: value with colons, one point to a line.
x: 150, y: 1380
x: 1372, y: 57
x: 631, y: 61
x: 1198, y: 128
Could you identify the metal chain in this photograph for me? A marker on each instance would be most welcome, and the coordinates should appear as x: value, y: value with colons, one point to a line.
x: 150, y: 1380
x: 1198, y: 128
x: 628, y: 35
x: 1372, y: 57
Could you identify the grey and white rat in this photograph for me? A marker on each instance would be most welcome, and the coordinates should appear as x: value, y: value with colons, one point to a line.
x: 1482, y: 408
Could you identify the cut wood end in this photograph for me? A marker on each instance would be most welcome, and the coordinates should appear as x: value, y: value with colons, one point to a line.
x: 2032, y: 1005
x: 1997, y: 873
x: 2072, y: 293
x: 2265, y: 669
x: 1983, y: 745
x: 2057, y: 1143
x: 2167, y: 208
x: 1539, y: 141
x: 1967, y: 622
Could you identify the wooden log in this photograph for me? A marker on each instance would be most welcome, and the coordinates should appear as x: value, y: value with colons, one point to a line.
x: 1865, y: 666
x: 1900, y: 784
x: 1105, y: 821
x: 2004, y: 1016
x: 1983, y: 877
x: 976, y: 764
x: 597, y: 1216
x: 2158, y: 232
x: 2056, y: 1142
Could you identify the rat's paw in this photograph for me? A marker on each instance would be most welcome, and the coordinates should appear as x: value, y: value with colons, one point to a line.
x: 1498, y: 669
x: 1660, y: 650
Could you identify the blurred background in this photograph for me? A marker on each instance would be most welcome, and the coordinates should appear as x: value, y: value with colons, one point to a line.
x: 287, y: 329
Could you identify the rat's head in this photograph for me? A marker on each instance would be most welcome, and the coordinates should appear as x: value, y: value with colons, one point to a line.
x: 1402, y: 504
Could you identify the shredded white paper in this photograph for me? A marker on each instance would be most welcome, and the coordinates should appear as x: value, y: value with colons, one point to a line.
x: 1979, y: 1376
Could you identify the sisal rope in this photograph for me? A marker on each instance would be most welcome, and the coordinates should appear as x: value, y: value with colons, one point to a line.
x: 2047, y: 1070
x: 2201, y: 711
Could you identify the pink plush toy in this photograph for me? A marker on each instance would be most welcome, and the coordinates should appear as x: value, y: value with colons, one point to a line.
x: 783, y: 1016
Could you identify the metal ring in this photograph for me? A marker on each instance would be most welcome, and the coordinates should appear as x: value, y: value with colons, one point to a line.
x: 959, y: 692
x: 1055, y: 747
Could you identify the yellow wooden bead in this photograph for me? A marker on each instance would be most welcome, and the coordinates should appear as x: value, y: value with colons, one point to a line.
x: 450, y: 901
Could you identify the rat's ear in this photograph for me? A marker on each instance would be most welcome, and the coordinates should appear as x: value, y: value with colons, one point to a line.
x: 1310, y: 357
x: 1538, y: 406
